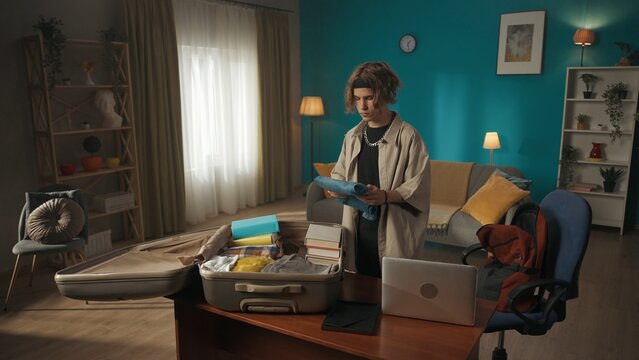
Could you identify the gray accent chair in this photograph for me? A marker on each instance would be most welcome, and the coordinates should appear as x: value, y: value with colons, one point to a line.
x: 26, y: 246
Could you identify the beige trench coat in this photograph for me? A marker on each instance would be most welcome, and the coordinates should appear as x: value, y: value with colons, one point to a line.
x: 403, y: 166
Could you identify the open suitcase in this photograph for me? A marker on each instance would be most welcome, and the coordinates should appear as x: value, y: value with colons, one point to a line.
x: 158, y: 268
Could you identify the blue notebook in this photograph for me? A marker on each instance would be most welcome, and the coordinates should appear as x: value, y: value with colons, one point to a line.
x: 254, y: 226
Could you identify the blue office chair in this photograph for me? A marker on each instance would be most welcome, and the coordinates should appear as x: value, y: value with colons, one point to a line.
x: 26, y: 246
x: 568, y: 216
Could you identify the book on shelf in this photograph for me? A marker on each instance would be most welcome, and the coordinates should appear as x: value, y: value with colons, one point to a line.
x: 323, y: 252
x: 324, y: 232
x: 582, y: 188
x: 587, y: 185
x: 329, y: 244
x: 322, y: 261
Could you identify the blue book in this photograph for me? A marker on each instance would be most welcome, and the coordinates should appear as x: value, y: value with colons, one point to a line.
x: 254, y: 226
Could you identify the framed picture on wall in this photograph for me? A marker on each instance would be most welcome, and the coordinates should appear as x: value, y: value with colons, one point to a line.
x: 521, y: 43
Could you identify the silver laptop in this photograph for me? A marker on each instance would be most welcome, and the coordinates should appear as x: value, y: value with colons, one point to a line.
x: 429, y: 290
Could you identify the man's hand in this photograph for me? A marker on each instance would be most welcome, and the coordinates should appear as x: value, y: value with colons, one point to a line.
x: 374, y: 196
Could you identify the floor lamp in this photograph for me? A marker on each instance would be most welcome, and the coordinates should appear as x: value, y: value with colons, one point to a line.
x: 491, y: 142
x: 583, y: 37
x: 312, y: 106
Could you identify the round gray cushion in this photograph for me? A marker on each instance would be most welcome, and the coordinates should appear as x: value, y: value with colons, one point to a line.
x: 56, y: 221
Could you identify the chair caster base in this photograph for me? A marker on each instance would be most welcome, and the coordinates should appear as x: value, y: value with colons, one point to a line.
x: 500, y: 354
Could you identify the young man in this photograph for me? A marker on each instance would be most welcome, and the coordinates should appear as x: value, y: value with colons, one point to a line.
x: 390, y: 157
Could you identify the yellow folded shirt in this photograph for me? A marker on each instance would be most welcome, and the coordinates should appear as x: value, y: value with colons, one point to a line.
x: 266, y: 239
x: 252, y: 263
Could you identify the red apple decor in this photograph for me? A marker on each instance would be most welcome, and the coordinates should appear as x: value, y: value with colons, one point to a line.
x: 91, y: 163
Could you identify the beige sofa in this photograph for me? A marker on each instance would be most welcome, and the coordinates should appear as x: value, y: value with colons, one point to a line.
x: 461, y: 228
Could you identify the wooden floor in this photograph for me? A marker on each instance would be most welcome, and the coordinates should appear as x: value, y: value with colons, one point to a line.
x: 603, y: 323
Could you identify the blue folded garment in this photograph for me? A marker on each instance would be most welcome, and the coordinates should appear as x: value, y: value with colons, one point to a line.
x: 351, y: 189
x: 254, y: 226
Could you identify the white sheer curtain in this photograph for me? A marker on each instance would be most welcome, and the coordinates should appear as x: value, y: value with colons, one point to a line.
x: 217, y: 51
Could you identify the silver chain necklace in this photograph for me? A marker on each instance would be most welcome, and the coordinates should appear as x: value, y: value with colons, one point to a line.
x: 376, y: 143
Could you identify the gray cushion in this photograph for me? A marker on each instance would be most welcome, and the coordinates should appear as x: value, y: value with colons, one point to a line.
x: 56, y: 221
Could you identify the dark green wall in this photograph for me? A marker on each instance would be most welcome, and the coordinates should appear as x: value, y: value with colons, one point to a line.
x: 451, y: 92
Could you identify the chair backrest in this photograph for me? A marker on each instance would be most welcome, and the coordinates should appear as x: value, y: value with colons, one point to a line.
x: 568, y: 216
x: 22, y: 232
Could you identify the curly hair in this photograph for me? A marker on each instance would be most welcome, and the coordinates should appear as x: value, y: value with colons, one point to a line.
x: 377, y: 76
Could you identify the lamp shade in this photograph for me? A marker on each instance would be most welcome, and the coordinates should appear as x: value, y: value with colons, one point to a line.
x: 584, y: 37
x: 312, y: 106
x: 491, y: 141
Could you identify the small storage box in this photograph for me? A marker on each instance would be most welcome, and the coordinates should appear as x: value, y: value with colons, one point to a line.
x: 98, y: 243
x: 113, y: 201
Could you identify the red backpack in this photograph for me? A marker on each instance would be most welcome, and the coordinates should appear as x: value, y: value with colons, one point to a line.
x: 515, y: 256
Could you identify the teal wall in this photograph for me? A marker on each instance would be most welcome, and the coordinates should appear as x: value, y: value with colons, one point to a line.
x: 451, y: 92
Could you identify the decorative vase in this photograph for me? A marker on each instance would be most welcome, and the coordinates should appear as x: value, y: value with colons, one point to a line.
x: 582, y: 126
x: 596, y: 153
x: 587, y: 94
x: 113, y: 162
x: 609, y: 186
x: 67, y: 169
x: 91, y: 163
x: 89, y: 80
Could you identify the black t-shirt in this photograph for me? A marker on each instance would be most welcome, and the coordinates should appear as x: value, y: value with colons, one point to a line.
x: 368, y: 173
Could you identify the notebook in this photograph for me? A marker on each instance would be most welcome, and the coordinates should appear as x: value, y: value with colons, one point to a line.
x: 429, y: 290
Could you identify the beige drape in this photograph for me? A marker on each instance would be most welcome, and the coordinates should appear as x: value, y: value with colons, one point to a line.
x: 158, y: 124
x: 274, y: 121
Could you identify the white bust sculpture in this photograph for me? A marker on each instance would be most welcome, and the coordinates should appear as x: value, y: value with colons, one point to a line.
x: 105, y: 102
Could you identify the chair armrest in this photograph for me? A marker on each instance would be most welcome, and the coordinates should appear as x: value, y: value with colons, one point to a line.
x: 314, y: 193
x: 469, y: 250
x: 556, y: 290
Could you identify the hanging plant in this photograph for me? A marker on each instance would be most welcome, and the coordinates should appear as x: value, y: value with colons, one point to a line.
x: 54, y: 42
x: 111, y: 58
x: 567, y: 162
x: 614, y: 107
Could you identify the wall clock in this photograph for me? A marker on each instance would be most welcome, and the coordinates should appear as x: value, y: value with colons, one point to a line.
x: 408, y: 43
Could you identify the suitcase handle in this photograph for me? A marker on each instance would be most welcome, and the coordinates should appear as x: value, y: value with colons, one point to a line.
x: 269, y: 289
x: 268, y: 305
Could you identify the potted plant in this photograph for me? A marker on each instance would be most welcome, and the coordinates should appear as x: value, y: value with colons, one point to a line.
x: 582, y: 121
x: 613, y: 95
x: 610, y: 176
x: 92, y: 145
x: 567, y: 162
x: 589, y: 80
x: 54, y: 41
x: 630, y: 57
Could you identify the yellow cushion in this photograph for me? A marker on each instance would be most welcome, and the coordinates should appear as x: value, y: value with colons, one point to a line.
x: 324, y: 170
x: 493, y: 199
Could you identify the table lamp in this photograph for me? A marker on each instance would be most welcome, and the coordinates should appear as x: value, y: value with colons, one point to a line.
x: 491, y: 142
x: 583, y: 37
x: 312, y: 106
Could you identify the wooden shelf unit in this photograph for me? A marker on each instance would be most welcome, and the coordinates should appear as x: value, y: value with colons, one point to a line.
x: 58, y: 112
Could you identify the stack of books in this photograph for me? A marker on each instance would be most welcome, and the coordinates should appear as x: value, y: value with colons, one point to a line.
x: 583, y: 187
x: 323, y: 244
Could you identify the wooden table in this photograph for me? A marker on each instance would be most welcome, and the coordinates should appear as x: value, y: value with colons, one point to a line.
x: 203, y: 331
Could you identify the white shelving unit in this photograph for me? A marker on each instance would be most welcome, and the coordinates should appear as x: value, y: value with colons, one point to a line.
x: 608, y: 209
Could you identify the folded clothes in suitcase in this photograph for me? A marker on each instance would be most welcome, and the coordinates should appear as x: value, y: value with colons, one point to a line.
x: 166, y: 266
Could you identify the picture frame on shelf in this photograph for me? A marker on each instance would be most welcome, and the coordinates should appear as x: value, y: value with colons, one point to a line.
x: 521, y: 43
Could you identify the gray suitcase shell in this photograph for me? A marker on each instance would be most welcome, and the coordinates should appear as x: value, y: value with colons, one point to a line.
x: 141, y: 271
x: 274, y: 292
